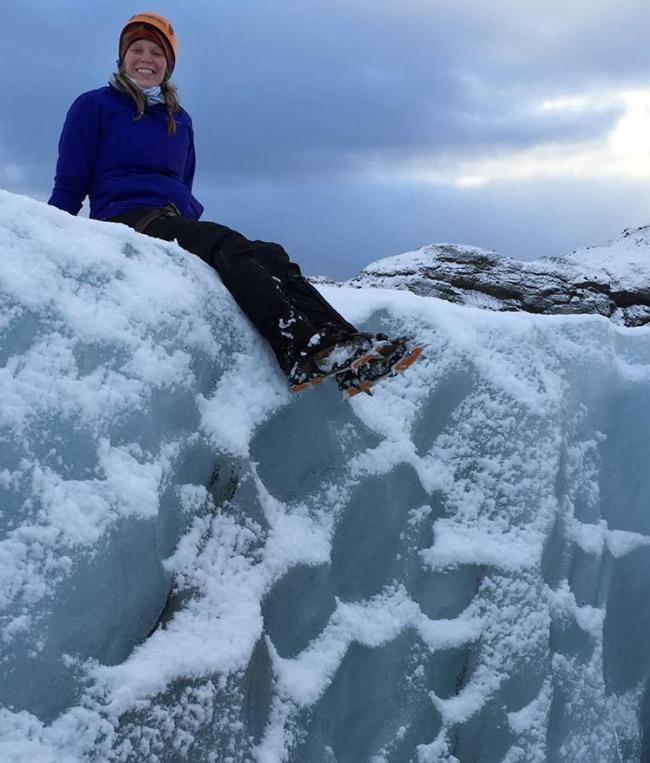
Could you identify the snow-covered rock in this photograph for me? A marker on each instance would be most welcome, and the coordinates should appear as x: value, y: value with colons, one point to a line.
x: 196, y: 566
x: 611, y: 280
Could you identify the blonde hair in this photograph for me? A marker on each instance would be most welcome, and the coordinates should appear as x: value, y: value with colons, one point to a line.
x: 169, y: 91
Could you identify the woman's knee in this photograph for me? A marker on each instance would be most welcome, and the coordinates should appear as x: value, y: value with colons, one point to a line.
x: 273, y: 257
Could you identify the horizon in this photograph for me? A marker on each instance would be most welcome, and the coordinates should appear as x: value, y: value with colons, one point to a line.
x: 349, y: 132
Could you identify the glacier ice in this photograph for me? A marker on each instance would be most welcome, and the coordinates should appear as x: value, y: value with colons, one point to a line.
x: 196, y: 566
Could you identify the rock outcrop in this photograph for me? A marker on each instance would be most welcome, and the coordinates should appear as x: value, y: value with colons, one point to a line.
x: 611, y: 280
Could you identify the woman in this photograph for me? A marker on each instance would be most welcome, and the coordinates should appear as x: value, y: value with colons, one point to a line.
x: 129, y: 147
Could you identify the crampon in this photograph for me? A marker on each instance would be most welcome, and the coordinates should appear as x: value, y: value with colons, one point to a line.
x: 358, y: 365
x: 387, y: 358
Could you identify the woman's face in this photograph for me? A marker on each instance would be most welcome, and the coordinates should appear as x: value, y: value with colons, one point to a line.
x: 145, y: 62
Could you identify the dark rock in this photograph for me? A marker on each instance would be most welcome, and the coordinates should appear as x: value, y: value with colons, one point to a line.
x: 612, y: 280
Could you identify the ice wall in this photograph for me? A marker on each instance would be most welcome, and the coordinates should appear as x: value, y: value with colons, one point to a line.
x: 196, y: 566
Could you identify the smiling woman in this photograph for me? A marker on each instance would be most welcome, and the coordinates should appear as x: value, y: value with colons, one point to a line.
x: 147, y: 56
x: 129, y: 147
x: 145, y: 62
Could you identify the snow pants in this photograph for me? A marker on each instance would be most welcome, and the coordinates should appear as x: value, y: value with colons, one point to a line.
x: 270, y: 289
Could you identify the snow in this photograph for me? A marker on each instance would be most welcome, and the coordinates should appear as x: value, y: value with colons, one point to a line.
x: 195, y: 564
x: 625, y: 259
x: 418, y: 258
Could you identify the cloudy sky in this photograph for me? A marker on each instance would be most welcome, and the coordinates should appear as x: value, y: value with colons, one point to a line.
x: 350, y: 130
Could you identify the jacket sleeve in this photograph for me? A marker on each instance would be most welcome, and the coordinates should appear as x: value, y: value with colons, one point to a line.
x: 78, y: 147
x: 188, y: 175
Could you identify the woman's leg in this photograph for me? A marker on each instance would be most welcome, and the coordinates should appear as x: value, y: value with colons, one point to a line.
x: 296, y: 288
x: 285, y: 308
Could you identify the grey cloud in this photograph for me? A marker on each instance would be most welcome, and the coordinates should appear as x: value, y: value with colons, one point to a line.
x: 327, y: 101
x: 291, y: 100
x: 289, y: 89
x: 334, y: 226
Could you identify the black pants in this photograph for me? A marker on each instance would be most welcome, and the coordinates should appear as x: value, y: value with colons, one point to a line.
x: 270, y: 289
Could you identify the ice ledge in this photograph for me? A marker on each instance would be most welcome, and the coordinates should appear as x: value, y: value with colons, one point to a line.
x: 454, y: 563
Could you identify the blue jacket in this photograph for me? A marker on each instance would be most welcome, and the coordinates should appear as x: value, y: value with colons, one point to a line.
x: 121, y: 163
